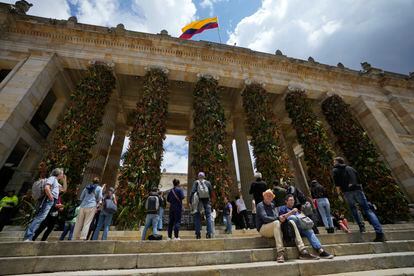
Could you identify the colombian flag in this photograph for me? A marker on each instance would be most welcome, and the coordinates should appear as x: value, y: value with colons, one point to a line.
x: 199, y: 26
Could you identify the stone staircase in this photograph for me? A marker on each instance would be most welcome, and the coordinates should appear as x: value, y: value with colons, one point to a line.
x: 238, y: 254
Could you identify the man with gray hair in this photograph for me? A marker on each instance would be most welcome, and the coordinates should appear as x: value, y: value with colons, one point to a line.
x: 51, y: 195
x: 257, y: 188
x: 201, y: 192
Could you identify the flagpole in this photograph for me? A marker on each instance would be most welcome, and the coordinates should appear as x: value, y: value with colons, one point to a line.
x: 218, y: 30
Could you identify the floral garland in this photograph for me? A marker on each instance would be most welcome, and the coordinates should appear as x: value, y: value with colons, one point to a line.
x: 313, y: 137
x: 76, y: 133
x: 379, y: 185
x: 210, y: 155
x: 268, y: 149
x: 142, y: 161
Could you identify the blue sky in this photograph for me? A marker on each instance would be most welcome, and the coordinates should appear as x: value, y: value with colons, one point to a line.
x: 380, y: 32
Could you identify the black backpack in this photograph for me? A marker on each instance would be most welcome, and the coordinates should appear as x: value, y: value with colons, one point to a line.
x: 152, y: 204
x: 155, y: 237
x: 288, y: 234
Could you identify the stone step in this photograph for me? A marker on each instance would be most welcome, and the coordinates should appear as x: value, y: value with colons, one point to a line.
x: 6, y: 236
x: 10, y: 249
x: 343, y: 264
x: 406, y: 271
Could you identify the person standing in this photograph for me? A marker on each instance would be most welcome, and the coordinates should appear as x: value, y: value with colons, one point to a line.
x: 109, y: 208
x: 257, y: 188
x: 152, y: 205
x: 52, y: 189
x: 242, y: 211
x: 201, y: 192
x: 227, y: 214
x: 70, y: 220
x: 90, y: 198
x: 319, y: 194
x: 253, y: 213
x: 175, y: 198
x: 8, y: 205
x: 163, y: 205
x: 346, y: 181
x: 50, y: 221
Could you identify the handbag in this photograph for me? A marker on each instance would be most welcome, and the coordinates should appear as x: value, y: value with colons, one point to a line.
x: 110, y: 206
x: 305, y: 222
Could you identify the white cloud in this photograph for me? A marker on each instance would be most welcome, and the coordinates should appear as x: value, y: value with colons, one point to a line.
x: 138, y: 15
x: 209, y: 4
x: 58, y: 9
x: 350, y: 31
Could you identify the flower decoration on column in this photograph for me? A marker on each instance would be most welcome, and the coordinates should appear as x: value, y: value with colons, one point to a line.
x: 142, y: 161
x: 76, y: 132
x: 313, y: 138
x: 379, y: 185
x: 208, y: 140
x: 268, y: 149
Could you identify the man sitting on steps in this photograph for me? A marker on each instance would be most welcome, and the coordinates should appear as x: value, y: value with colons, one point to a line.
x: 268, y: 225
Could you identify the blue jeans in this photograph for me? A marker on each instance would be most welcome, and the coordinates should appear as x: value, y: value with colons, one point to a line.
x: 105, y: 221
x: 161, y: 215
x: 324, y: 209
x: 40, y: 216
x: 358, y: 196
x: 150, y: 220
x: 197, y: 217
x: 227, y: 222
x: 309, y: 234
x: 68, y: 228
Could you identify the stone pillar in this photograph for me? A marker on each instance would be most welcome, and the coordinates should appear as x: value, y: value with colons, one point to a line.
x: 398, y: 155
x: 232, y: 168
x: 243, y: 156
x: 112, y: 162
x: 20, y: 96
x: 100, y: 150
x: 191, y: 174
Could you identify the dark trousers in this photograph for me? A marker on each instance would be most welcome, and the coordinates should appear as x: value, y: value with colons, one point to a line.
x: 174, y: 221
x: 93, y: 225
x: 244, y: 218
x: 5, y: 216
x: 48, y: 224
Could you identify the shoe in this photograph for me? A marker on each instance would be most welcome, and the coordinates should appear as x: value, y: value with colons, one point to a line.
x: 280, y: 258
x: 198, y: 236
x: 27, y: 240
x: 379, y: 237
x: 331, y: 230
x: 325, y: 255
x: 177, y: 239
x: 208, y: 236
x: 168, y: 239
x: 362, y: 229
x: 305, y: 255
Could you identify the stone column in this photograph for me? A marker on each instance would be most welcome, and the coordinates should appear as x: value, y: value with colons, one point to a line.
x: 100, y: 150
x: 20, y: 96
x: 243, y: 156
x: 232, y: 168
x: 396, y: 153
x: 191, y: 174
x: 112, y: 162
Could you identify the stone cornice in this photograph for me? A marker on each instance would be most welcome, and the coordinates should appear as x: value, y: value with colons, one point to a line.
x: 76, y: 34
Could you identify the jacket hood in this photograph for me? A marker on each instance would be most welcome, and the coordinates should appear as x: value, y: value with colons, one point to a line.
x: 340, y: 166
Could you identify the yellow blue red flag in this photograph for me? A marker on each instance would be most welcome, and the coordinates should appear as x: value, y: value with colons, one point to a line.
x: 199, y: 26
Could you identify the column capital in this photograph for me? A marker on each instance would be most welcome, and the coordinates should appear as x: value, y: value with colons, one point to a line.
x: 208, y: 76
x: 162, y: 68
x: 110, y: 64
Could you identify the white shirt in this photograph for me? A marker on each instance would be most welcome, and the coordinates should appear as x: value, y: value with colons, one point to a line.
x: 54, y: 186
x: 240, y: 205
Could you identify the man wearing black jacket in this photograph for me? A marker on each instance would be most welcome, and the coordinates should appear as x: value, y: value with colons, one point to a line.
x: 257, y: 188
x: 346, y: 181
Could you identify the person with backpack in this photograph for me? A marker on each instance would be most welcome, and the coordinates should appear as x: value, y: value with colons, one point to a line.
x: 46, y: 192
x: 90, y: 198
x: 70, y: 221
x: 257, y: 188
x: 109, y: 208
x: 152, y: 205
x: 175, y: 198
x: 201, y: 192
x: 346, y: 181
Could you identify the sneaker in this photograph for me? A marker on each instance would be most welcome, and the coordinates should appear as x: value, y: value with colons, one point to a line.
x: 27, y: 240
x: 362, y: 229
x: 325, y: 255
x: 305, y: 255
x: 177, y: 239
x: 198, y: 237
x: 168, y: 239
x: 280, y: 258
x: 379, y: 237
x: 208, y: 236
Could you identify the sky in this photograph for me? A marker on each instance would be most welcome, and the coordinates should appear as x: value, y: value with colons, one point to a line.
x: 380, y: 32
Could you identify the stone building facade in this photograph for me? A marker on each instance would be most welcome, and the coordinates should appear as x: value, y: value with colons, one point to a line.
x: 42, y: 60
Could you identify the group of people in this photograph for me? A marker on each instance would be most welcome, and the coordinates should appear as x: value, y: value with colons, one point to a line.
x: 82, y: 220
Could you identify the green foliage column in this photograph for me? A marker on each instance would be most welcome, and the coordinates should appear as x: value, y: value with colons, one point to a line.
x: 268, y: 149
x: 142, y: 161
x: 313, y: 138
x: 378, y: 183
x: 208, y: 140
x: 76, y: 133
